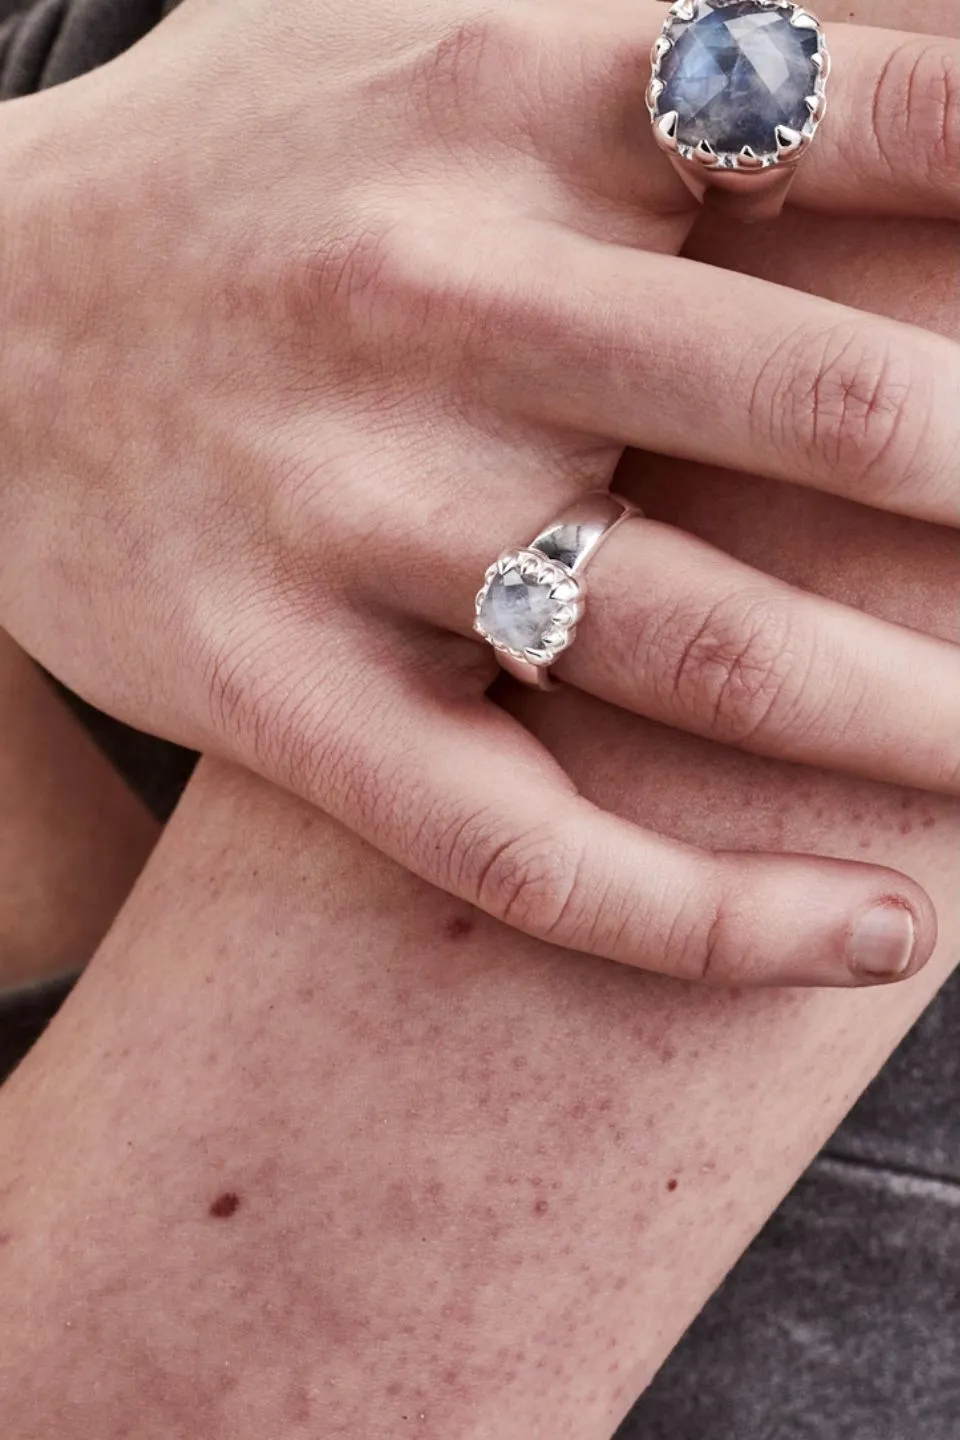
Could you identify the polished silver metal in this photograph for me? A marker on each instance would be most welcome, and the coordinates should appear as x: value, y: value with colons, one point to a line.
x: 556, y: 558
x: 748, y: 185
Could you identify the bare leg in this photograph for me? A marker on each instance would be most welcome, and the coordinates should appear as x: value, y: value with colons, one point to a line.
x: 72, y: 836
x: 316, y: 1151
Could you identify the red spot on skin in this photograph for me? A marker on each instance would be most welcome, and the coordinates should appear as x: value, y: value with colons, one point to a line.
x: 5, y: 1238
x: 541, y: 1208
x: 672, y: 1185
x: 458, y: 927
x: 929, y: 823
x: 225, y: 1206
x: 906, y: 827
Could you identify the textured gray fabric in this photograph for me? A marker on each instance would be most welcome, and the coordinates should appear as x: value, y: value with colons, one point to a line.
x: 842, y: 1322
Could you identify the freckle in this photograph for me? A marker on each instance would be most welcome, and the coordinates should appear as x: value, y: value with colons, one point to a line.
x: 929, y: 823
x: 866, y: 843
x: 458, y: 927
x: 906, y: 801
x: 667, y: 1053
x: 225, y: 1206
x: 519, y: 1062
x: 857, y: 817
x: 5, y: 1238
x: 541, y: 1208
x: 672, y: 1185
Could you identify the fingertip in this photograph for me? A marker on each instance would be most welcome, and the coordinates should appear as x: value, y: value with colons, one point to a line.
x: 891, y: 940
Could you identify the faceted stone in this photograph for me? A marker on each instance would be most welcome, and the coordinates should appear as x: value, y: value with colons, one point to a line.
x: 517, y: 610
x: 737, y: 72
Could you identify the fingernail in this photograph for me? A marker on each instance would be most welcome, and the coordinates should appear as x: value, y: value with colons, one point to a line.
x: 883, y: 942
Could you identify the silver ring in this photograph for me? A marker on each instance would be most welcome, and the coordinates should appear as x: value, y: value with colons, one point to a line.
x: 532, y: 599
x: 737, y: 92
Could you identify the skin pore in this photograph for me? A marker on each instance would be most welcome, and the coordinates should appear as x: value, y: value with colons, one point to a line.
x: 317, y: 1151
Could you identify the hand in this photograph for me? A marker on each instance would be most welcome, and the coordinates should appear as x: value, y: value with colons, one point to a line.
x: 327, y: 309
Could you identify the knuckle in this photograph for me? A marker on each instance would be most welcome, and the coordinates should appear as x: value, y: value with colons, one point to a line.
x: 704, y: 941
x: 469, y: 61
x: 736, y: 672
x: 530, y: 881
x: 395, y: 292
x: 841, y: 403
x: 916, y: 112
x: 258, y: 715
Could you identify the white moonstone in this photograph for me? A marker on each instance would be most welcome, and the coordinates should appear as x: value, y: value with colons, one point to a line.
x: 517, y: 610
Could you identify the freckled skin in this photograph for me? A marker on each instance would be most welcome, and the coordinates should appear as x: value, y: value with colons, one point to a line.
x: 393, y: 1264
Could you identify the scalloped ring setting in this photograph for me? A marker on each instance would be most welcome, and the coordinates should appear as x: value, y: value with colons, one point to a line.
x: 532, y: 599
x: 737, y: 91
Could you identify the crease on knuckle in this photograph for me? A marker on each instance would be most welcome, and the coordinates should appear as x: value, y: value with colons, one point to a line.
x: 915, y: 113
x: 840, y: 402
x: 262, y: 718
x: 531, y: 880
x: 700, y: 944
x: 735, y: 674
x: 475, y: 56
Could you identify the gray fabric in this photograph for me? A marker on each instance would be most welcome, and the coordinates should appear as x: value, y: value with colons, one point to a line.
x: 51, y: 41
x: 842, y: 1322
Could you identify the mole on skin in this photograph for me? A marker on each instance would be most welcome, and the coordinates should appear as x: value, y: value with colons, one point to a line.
x: 225, y: 1206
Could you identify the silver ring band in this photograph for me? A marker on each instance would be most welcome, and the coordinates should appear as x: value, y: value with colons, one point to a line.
x: 532, y: 599
x: 736, y: 93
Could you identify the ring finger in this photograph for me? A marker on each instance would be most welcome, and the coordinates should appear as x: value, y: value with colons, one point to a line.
x: 682, y: 633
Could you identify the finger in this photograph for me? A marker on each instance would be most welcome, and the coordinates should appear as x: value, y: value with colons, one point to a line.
x: 466, y: 798
x: 674, y: 356
x: 683, y: 634
x: 934, y: 17
x: 890, y: 141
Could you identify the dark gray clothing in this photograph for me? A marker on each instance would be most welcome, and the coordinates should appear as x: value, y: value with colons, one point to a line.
x: 842, y: 1321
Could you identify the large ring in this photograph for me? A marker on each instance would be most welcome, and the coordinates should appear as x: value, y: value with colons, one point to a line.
x: 532, y: 599
x: 737, y: 91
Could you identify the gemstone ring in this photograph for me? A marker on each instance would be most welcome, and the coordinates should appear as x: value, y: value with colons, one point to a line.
x: 735, y: 97
x: 532, y: 599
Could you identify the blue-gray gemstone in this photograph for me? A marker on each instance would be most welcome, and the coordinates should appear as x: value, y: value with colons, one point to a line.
x: 737, y: 72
